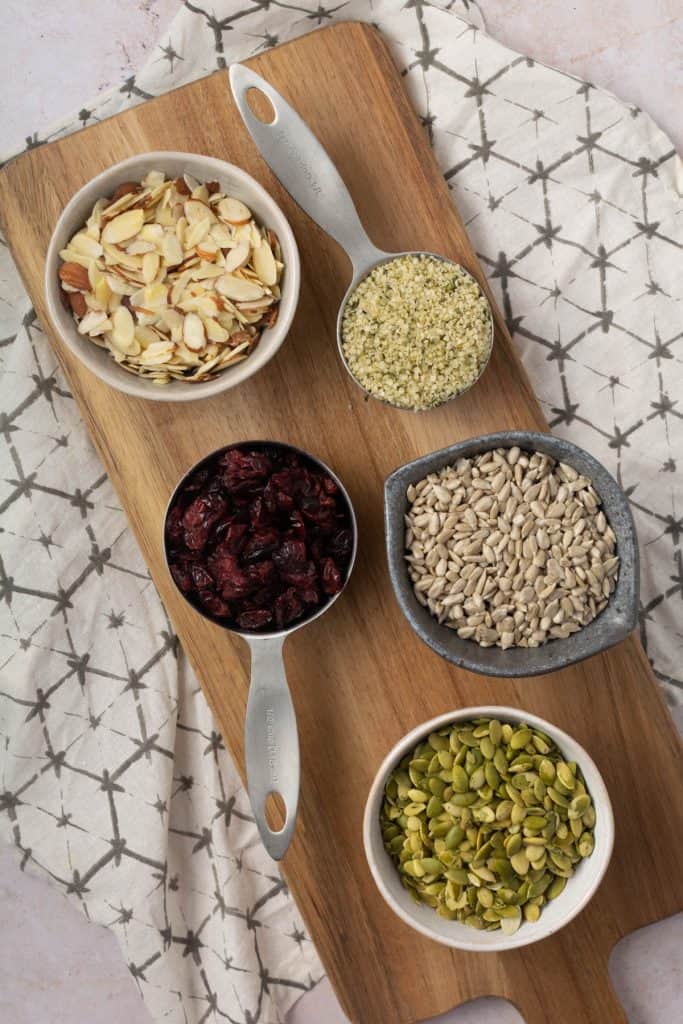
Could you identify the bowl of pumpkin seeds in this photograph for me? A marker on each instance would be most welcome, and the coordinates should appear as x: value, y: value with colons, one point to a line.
x: 488, y: 828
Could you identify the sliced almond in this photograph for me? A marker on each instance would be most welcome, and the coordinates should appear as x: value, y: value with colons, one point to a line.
x: 237, y: 289
x: 234, y: 211
x: 215, y: 332
x: 153, y: 179
x: 194, y: 337
x: 181, y: 228
x: 102, y: 292
x: 222, y: 236
x: 196, y: 210
x: 94, y: 322
x: 152, y: 233
x: 263, y: 263
x: 207, y: 249
x: 150, y: 266
x: 237, y: 257
x: 86, y: 245
x: 171, y: 250
x: 122, y: 227
x: 196, y: 232
x: 156, y: 295
x: 157, y: 353
x: 145, y: 335
x: 123, y: 333
x: 71, y: 256
x: 139, y: 247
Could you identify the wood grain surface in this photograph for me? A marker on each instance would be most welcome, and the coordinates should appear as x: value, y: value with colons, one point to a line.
x: 360, y: 677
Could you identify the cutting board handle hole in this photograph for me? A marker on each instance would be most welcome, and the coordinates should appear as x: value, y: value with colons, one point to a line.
x: 260, y: 106
x: 276, y: 812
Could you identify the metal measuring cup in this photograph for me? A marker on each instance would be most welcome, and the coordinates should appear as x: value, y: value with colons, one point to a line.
x: 303, y: 167
x: 271, y: 742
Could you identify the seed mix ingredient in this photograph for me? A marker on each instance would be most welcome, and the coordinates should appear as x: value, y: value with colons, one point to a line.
x: 510, y: 548
x: 486, y: 821
x: 174, y: 278
x: 417, y: 331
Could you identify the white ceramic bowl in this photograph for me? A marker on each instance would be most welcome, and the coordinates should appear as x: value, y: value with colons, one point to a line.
x: 234, y: 181
x: 579, y: 889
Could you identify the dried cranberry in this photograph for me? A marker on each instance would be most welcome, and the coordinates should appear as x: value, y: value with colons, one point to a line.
x: 261, y: 573
x: 182, y: 578
x: 234, y: 538
x: 288, y: 607
x: 254, y: 619
x: 201, y: 578
x: 300, y: 574
x: 213, y: 604
x: 243, y: 471
x: 290, y: 552
x: 310, y: 595
x: 340, y: 544
x: 330, y: 577
x: 297, y: 527
x: 174, y: 525
x: 196, y: 481
x: 223, y: 565
x: 260, y: 544
x: 196, y: 538
x: 236, y: 586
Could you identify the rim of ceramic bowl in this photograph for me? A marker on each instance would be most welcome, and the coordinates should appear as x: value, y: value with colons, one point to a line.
x: 617, y: 620
x: 528, y: 933
x: 274, y: 633
x: 172, y: 162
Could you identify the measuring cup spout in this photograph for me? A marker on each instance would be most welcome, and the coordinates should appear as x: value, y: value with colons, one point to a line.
x: 271, y: 741
x: 294, y: 154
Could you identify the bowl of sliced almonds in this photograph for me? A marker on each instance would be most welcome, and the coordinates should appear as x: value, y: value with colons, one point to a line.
x: 488, y: 828
x: 172, y: 276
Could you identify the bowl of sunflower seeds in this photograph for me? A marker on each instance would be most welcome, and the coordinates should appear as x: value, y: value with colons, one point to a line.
x: 512, y: 554
x: 488, y: 828
x: 172, y: 276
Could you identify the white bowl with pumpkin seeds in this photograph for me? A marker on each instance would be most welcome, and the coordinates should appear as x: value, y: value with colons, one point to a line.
x: 576, y: 863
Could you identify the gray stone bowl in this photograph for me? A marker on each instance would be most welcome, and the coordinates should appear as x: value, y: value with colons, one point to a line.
x: 613, y: 624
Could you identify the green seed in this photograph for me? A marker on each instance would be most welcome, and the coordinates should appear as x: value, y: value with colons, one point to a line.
x: 487, y: 747
x: 579, y: 806
x: 520, y: 738
x: 495, y: 731
x: 557, y: 798
x: 454, y: 837
x: 477, y: 778
x: 500, y: 761
x: 460, y: 781
x: 532, y: 912
x: 555, y: 888
x: 464, y: 799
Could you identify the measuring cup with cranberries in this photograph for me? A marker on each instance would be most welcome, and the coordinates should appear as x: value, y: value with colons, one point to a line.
x: 260, y: 537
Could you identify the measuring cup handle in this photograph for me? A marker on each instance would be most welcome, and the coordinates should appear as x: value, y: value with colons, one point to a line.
x: 293, y: 153
x: 271, y: 742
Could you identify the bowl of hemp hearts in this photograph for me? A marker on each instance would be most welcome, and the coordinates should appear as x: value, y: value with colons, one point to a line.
x: 416, y: 331
x: 512, y: 554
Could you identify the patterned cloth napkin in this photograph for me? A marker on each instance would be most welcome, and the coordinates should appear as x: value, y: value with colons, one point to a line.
x: 115, y: 782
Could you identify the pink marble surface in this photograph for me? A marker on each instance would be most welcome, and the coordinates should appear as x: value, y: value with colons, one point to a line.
x: 55, y: 968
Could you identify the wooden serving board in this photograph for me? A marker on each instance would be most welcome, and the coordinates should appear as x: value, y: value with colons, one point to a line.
x: 360, y: 677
